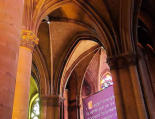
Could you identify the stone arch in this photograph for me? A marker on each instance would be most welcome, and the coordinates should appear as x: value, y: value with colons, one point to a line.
x: 42, y: 74
x: 67, y: 67
x: 76, y: 90
x: 105, y: 35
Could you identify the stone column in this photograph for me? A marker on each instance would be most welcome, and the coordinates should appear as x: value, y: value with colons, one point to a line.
x: 127, y: 87
x: 21, y: 98
x: 10, y: 23
x: 51, y: 105
x: 147, y: 83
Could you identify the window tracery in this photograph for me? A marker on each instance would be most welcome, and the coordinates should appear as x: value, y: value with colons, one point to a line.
x: 35, y: 107
x: 35, y: 112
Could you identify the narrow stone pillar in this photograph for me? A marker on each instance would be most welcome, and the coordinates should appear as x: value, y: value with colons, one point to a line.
x: 10, y: 23
x: 21, y: 98
x: 51, y: 105
x: 117, y: 92
x: 81, y: 112
x: 147, y: 83
x: 74, y: 109
x: 127, y: 88
x: 66, y: 104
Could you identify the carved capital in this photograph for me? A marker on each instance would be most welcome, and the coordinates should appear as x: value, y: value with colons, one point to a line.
x: 28, y: 39
x: 122, y: 61
x: 54, y: 101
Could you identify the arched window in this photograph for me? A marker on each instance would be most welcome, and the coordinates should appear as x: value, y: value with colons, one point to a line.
x: 106, y: 80
x: 34, y: 103
x: 34, y: 112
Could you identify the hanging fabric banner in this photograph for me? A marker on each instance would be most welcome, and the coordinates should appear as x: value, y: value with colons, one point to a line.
x: 100, y: 105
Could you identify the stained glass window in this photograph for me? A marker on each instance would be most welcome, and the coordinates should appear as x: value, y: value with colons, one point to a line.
x: 35, y: 108
x: 106, y: 80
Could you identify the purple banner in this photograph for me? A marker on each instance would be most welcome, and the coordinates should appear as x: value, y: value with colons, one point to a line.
x: 100, y: 105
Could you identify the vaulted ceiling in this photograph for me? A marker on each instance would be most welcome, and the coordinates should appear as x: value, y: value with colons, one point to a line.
x: 62, y: 26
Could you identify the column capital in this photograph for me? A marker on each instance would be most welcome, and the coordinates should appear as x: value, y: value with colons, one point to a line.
x: 53, y: 100
x: 28, y: 39
x: 122, y: 61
